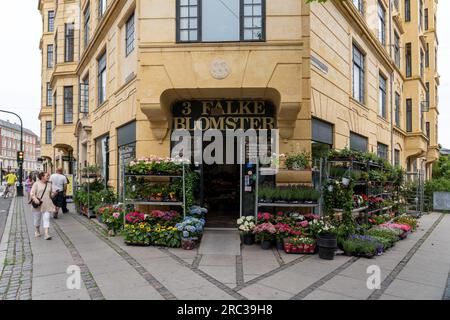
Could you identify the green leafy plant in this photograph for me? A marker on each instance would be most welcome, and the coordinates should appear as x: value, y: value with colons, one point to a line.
x: 298, y: 161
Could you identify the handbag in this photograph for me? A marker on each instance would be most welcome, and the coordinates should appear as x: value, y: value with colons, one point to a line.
x: 34, y: 204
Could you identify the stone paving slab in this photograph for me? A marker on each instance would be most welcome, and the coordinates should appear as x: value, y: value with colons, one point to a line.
x: 414, y: 291
x: 321, y: 294
x: 264, y: 292
x: 225, y: 274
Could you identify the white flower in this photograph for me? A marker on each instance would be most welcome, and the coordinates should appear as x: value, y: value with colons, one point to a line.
x: 239, y: 221
x: 250, y: 218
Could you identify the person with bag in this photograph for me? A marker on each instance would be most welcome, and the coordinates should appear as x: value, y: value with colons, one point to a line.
x: 42, y: 204
x: 59, y: 184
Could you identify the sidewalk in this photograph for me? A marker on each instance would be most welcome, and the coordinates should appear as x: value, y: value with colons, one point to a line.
x: 37, y: 268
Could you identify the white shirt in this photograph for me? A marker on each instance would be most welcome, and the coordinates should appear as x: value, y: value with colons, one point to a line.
x: 58, y: 182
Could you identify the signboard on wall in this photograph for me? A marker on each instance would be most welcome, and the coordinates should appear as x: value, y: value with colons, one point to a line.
x: 223, y: 114
x: 69, y: 192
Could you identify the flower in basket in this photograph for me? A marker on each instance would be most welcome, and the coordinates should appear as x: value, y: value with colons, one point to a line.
x: 246, y: 224
x: 265, y: 231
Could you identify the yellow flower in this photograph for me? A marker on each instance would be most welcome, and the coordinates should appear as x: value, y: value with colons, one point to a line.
x: 148, y: 229
x: 158, y: 230
x: 142, y: 226
x: 127, y: 226
x: 132, y: 226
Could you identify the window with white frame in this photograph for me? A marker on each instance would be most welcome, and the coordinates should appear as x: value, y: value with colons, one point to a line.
x: 220, y: 20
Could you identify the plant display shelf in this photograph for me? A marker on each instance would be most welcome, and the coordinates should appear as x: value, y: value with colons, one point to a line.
x: 154, y: 178
x: 357, y: 210
x: 287, y: 205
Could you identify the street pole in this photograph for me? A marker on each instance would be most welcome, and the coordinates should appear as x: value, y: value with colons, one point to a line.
x: 20, y: 163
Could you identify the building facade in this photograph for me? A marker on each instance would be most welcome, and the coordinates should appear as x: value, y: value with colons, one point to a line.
x: 119, y: 76
x: 10, y: 145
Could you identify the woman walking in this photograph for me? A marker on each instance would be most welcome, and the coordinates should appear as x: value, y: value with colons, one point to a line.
x: 28, y: 184
x: 42, y: 204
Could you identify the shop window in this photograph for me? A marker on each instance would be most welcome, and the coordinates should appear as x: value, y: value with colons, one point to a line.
x: 358, y: 142
x: 220, y: 20
x: 322, y: 138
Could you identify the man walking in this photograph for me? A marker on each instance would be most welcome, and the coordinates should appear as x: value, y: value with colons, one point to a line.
x: 59, y: 185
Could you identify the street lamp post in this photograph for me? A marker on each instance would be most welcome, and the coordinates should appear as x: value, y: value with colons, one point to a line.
x: 20, y: 163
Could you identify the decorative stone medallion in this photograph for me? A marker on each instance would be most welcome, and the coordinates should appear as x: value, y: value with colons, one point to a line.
x: 220, y: 69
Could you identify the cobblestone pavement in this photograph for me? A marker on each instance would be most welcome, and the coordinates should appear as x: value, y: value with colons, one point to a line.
x: 416, y: 268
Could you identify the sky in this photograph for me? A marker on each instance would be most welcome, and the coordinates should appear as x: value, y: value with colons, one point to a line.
x: 20, y: 64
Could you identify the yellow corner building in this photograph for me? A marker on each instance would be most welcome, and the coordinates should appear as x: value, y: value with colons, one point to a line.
x: 117, y: 76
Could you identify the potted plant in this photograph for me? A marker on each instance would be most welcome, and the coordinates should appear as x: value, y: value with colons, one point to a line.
x: 298, y: 161
x: 191, y: 230
x: 282, y: 232
x: 246, y: 226
x: 265, y: 232
x: 137, y: 234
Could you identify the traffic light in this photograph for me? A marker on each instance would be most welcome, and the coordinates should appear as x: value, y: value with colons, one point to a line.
x: 19, y: 156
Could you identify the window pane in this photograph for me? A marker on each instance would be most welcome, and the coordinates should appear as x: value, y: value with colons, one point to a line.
x: 257, y: 10
x: 184, y: 12
x: 193, y: 35
x: 248, y: 34
x: 184, y: 2
x: 193, y: 23
x: 248, y: 23
x: 257, y: 22
x: 220, y: 20
x: 193, y: 11
x: 184, y: 23
x: 184, y: 35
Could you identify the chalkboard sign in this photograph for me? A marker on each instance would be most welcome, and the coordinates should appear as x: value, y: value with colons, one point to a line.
x: 441, y: 201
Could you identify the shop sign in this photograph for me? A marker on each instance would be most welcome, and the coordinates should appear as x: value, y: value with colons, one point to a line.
x: 223, y: 114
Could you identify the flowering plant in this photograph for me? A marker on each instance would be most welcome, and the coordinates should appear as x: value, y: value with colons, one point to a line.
x: 197, y: 211
x: 318, y: 226
x: 265, y: 231
x: 408, y: 220
x: 362, y: 245
x: 264, y: 217
x: 282, y: 230
x: 403, y: 227
x: 135, y: 217
x: 112, y: 216
x: 168, y: 236
x: 165, y: 217
x: 246, y: 224
x: 155, y: 165
x: 137, y: 233
x: 191, y: 227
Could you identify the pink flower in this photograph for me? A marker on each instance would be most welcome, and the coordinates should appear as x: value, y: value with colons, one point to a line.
x: 304, y: 224
x: 116, y: 215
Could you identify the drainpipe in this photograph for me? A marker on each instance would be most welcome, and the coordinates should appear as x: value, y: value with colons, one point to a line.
x: 392, y: 85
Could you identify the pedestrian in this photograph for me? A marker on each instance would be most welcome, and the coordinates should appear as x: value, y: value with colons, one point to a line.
x: 10, y: 183
x: 42, y: 204
x: 64, y: 206
x: 28, y: 184
x: 59, y: 184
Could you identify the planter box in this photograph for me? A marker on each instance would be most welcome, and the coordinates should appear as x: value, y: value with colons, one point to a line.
x: 299, y: 249
x: 294, y: 176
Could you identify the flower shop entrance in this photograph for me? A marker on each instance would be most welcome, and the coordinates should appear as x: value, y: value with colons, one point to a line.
x: 221, y: 194
x: 227, y: 186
